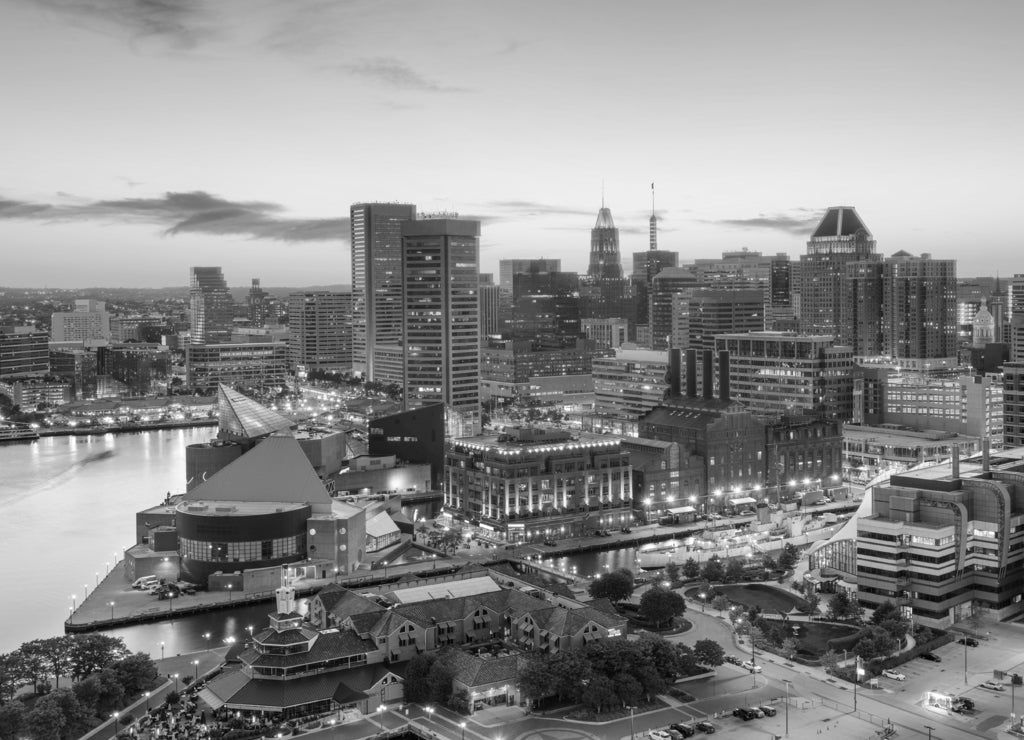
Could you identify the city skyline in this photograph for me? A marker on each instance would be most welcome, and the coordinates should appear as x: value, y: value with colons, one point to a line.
x: 146, y: 137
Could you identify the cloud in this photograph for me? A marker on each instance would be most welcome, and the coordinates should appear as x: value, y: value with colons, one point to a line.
x: 195, y: 212
x: 182, y: 23
x: 520, y: 208
x: 397, y: 74
x: 802, y: 221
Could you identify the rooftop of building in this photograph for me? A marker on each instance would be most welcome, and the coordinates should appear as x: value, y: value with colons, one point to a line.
x: 446, y: 590
x: 629, y: 354
x: 839, y: 221
x: 895, y: 434
x: 514, y: 441
x: 240, y: 416
x: 780, y: 336
x: 235, y: 508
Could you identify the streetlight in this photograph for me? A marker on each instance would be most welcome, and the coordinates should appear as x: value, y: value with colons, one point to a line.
x: 380, y: 716
x: 147, y: 702
x: 787, y: 682
x: 857, y: 671
x: 632, y: 731
x: 463, y: 726
x: 111, y: 610
x: 113, y: 725
x: 175, y: 682
x: 207, y: 636
x: 703, y: 601
x: 229, y: 592
x: 161, y: 651
x: 429, y: 711
x: 195, y: 664
x: 965, y: 661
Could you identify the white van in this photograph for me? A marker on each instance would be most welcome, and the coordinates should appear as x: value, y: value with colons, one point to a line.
x: 145, y: 582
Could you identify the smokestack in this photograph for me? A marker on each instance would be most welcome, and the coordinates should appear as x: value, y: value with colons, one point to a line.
x: 956, y: 462
x: 675, y: 361
x: 709, y: 377
x: 723, y: 374
x: 691, y: 373
x: 986, y: 445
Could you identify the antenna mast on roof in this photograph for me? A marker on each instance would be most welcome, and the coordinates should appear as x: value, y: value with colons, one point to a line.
x: 654, y: 223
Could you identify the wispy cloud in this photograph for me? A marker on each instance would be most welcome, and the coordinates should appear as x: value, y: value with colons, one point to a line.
x: 397, y: 74
x: 521, y: 208
x: 181, y: 23
x: 195, y: 212
x: 801, y: 221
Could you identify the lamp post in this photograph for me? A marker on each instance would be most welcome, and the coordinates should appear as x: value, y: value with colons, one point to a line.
x: 113, y: 724
x: 195, y: 664
x: 463, y: 726
x: 207, y: 636
x: 175, y: 683
x: 632, y: 731
x: 703, y: 601
x: 111, y: 610
x: 147, y: 702
x: 965, y: 661
x: 429, y: 711
x: 161, y: 651
x: 229, y: 591
x: 380, y: 716
x: 857, y: 670
x: 787, y: 682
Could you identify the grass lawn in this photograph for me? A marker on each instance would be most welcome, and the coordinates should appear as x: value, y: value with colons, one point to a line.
x: 813, y: 637
x: 771, y: 600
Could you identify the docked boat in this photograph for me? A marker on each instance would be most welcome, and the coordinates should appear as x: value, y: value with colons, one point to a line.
x: 17, y: 433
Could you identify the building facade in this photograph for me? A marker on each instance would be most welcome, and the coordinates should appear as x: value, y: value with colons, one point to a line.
x: 376, y: 238
x: 320, y: 331
x: 213, y: 308
x: 441, y: 267
x: 252, y: 364
x: 779, y: 373
x: 89, y: 323
x: 630, y: 383
x: 24, y: 352
x: 530, y: 485
x: 1013, y: 404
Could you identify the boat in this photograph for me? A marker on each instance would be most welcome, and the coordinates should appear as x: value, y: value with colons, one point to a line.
x: 17, y: 433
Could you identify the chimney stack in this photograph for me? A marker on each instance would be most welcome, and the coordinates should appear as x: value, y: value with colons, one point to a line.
x: 709, y: 376
x: 674, y: 372
x: 691, y: 373
x: 986, y: 445
x: 723, y: 374
x: 956, y: 462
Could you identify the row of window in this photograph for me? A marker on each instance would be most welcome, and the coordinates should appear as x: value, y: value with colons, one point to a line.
x: 241, y: 552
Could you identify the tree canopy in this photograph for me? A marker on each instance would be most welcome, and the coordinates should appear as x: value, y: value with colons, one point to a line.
x: 660, y: 605
x: 615, y: 586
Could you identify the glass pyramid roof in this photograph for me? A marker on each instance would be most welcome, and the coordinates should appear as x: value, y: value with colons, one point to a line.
x: 240, y: 416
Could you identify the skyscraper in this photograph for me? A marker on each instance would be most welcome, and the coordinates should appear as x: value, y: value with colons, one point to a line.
x: 213, y: 308
x: 604, y: 293
x: 604, y: 247
x: 376, y: 279
x: 320, y: 331
x: 441, y: 268
x: 88, y: 323
x: 257, y: 304
x: 508, y: 269
x: 840, y: 237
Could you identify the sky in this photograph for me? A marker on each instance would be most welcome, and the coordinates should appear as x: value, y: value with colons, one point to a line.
x: 140, y: 137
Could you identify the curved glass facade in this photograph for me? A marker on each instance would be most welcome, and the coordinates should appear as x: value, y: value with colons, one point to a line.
x: 250, y: 551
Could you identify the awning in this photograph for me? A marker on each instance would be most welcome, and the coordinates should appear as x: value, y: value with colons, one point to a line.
x: 209, y: 698
x: 746, y: 501
x: 682, y: 510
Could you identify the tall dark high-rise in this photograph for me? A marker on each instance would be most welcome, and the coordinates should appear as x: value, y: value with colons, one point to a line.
x: 441, y: 273
x: 604, y: 247
x: 257, y: 304
x: 320, y: 331
x: 376, y: 281
x: 646, y: 265
x: 840, y: 237
x: 213, y: 308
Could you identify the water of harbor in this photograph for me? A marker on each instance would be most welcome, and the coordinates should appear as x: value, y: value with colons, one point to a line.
x: 67, y: 505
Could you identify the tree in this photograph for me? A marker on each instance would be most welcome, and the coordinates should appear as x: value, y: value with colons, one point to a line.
x: 843, y: 606
x: 979, y: 610
x: 734, y: 570
x: 769, y: 563
x: 31, y: 665
x: 788, y: 648
x: 757, y: 636
x: 45, y: 721
x: 708, y: 652
x: 599, y: 693
x: 691, y: 569
x: 12, y: 720
x: 94, y: 652
x: 417, y: 687
x: 615, y: 586
x: 789, y: 556
x: 628, y: 689
x: 813, y: 600
x: 10, y: 676
x: 672, y: 574
x: 440, y: 676
x: 536, y: 679
x: 669, y: 660
x: 829, y: 661
x: 713, y: 570
x: 720, y: 602
x: 570, y: 672
x: 136, y: 673
x: 660, y: 605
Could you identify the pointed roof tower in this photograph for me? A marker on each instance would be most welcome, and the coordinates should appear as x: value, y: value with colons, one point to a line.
x: 604, y: 219
x: 275, y: 470
x: 241, y: 417
x: 654, y: 224
x: 840, y: 221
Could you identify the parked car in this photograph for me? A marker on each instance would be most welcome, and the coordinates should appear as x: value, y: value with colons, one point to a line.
x: 751, y: 666
x: 705, y: 727
x: 550, y: 543
x: 968, y: 641
x: 733, y: 659
x: 993, y: 686
x: 743, y: 713
x: 964, y: 702
x: 894, y: 675
x: 658, y: 735
x: 932, y: 657
x: 757, y: 712
x: 145, y: 582
x: 674, y: 734
x: 769, y: 711
x: 684, y: 730
x: 626, y: 530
